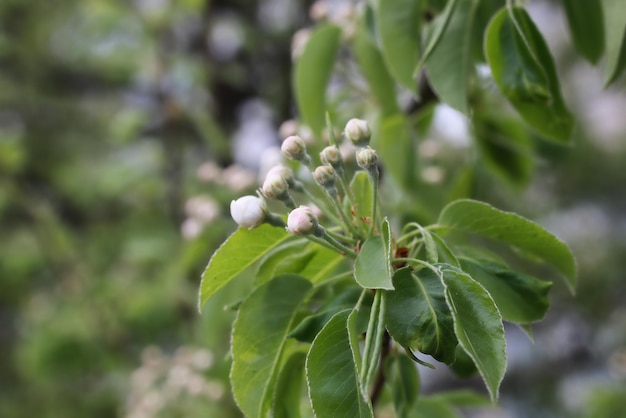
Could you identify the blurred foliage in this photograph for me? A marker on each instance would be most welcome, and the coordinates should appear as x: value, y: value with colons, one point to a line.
x: 107, y: 108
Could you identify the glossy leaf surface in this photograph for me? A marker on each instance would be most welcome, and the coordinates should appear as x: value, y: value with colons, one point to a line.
x: 242, y: 249
x: 312, y: 72
x: 478, y: 326
x: 418, y: 315
x: 523, y: 234
x: 520, y: 298
x: 399, y: 24
x: 257, y: 346
x: 524, y: 71
x: 450, y: 64
x: 331, y: 373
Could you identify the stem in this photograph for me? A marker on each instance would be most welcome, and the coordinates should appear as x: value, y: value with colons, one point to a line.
x: 321, y: 232
x: 317, y: 202
x: 378, y: 339
x: 339, y: 237
x: 380, y: 377
x: 369, y: 335
x: 346, y: 221
x: 374, y: 175
x: 415, y: 261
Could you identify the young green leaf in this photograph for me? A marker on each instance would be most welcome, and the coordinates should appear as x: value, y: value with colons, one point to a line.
x: 311, y: 325
x: 289, y: 384
x: 361, y: 188
x: 372, y: 268
x: 450, y: 64
x: 615, y: 32
x: 505, y: 147
x: 399, y: 29
x: 259, y: 335
x: 427, y: 407
x: 520, y: 298
x: 436, y: 32
x: 286, y: 252
x: 418, y: 316
x: 403, y: 380
x: 393, y: 142
x: 586, y: 26
x: 524, y: 70
x: 375, y: 72
x: 477, y: 325
x: 331, y: 373
x: 238, y: 252
x: 312, y: 72
x: 523, y: 234
x: 314, y: 262
x: 445, y: 254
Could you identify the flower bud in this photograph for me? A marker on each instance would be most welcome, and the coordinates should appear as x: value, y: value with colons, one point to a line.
x: 366, y: 158
x: 302, y: 221
x: 248, y: 211
x: 324, y: 175
x: 293, y: 148
x: 275, y: 186
x: 284, y: 172
x: 331, y: 156
x: 358, y: 132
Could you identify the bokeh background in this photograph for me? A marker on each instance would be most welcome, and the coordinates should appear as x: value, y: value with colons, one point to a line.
x: 127, y: 127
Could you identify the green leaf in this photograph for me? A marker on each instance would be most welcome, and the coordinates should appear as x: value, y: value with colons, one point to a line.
x: 331, y: 373
x: 505, y: 147
x: 257, y: 345
x: 399, y: 29
x: 615, y: 35
x: 288, y: 251
x: 397, y: 153
x: 523, y: 234
x: 372, y: 268
x: 403, y: 380
x: 288, y: 391
x: 586, y: 26
x: 485, y: 11
x: 312, y: 72
x: 520, y: 298
x: 478, y: 326
x: 311, y: 325
x: 437, y: 29
x: 314, y: 263
x: 450, y: 64
x: 524, y: 70
x: 427, y: 407
x: 418, y: 316
x: 237, y: 253
x: 361, y: 188
x: 375, y: 72
x: 445, y: 254
x: 462, y: 398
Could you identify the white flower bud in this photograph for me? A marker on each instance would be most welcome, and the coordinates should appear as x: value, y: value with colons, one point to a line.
x: 284, y: 172
x: 331, y: 156
x: 324, y: 175
x: 366, y: 158
x: 275, y: 186
x: 302, y: 221
x: 293, y: 148
x: 248, y: 211
x: 358, y: 132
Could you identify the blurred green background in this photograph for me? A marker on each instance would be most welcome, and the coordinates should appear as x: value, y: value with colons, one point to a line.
x: 120, y: 123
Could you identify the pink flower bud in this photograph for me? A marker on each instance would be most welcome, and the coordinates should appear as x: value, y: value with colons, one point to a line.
x: 358, y: 132
x: 302, y: 221
x: 284, y: 172
x: 248, y: 211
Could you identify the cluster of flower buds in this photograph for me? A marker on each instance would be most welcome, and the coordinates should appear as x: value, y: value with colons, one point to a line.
x: 280, y: 183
